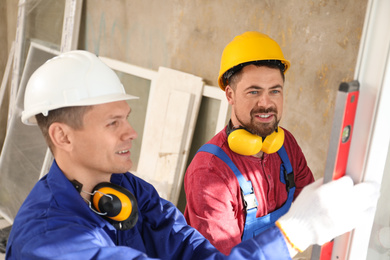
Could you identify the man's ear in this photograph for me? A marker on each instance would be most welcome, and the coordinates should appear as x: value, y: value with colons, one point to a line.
x: 229, y: 94
x: 59, y: 134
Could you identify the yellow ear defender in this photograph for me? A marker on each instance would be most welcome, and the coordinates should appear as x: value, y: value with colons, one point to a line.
x: 116, y: 203
x: 245, y: 143
x: 113, y: 202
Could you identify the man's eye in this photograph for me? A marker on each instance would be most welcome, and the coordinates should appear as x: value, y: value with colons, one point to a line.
x: 113, y: 123
x: 254, y: 92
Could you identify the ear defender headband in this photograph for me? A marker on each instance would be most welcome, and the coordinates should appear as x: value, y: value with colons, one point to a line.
x: 243, y: 142
x: 114, y: 203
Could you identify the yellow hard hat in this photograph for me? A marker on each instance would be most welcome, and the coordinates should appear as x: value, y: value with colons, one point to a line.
x: 247, y: 47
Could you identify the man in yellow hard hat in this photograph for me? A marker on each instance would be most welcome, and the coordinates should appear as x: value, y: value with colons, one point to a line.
x: 247, y: 176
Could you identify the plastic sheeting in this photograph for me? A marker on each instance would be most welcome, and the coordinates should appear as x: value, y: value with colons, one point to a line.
x: 24, y: 147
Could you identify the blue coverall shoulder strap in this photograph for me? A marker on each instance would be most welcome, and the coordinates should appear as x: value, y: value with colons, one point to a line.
x: 246, y: 186
x: 253, y: 225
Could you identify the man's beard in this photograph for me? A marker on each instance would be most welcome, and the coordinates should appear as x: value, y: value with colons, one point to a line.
x: 260, y: 129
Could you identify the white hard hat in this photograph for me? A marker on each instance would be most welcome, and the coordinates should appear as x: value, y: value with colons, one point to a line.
x: 75, y: 78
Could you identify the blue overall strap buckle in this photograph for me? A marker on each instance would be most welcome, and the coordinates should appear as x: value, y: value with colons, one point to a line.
x: 250, y: 201
x: 288, y: 173
x: 290, y: 183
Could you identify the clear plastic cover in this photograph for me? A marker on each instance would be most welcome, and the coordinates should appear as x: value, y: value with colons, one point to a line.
x: 24, y: 148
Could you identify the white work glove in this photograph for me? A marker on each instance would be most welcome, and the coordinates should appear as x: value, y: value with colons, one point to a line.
x: 323, y: 212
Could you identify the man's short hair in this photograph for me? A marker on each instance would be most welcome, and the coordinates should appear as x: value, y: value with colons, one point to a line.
x: 230, y: 77
x: 71, y: 116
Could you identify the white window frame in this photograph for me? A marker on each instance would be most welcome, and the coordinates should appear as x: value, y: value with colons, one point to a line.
x: 371, y: 137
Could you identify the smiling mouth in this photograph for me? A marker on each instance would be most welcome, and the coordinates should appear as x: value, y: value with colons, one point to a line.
x: 124, y: 151
x: 264, y: 116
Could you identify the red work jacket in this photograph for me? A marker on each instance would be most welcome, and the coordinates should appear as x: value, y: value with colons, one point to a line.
x: 214, y: 204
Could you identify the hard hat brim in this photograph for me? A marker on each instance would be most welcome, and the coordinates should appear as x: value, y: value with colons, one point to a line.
x: 28, y: 117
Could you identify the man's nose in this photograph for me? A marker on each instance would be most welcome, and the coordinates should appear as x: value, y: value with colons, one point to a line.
x: 129, y: 132
x: 264, y: 101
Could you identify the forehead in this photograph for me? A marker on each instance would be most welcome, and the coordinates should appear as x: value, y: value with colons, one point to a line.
x: 261, y: 74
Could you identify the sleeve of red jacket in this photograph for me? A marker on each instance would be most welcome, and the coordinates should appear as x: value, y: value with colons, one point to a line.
x: 212, y: 211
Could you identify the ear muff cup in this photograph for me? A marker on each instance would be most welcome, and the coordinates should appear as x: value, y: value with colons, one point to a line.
x: 273, y: 142
x: 245, y: 143
x: 242, y: 142
x: 118, y: 203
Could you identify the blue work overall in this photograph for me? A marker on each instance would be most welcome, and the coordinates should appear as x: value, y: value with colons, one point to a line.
x: 254, y: 226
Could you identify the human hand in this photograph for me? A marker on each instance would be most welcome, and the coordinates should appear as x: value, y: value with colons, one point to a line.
x: 324, y: 211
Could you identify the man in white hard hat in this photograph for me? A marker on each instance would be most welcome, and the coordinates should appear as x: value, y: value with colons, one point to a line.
x: 89, y: 206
